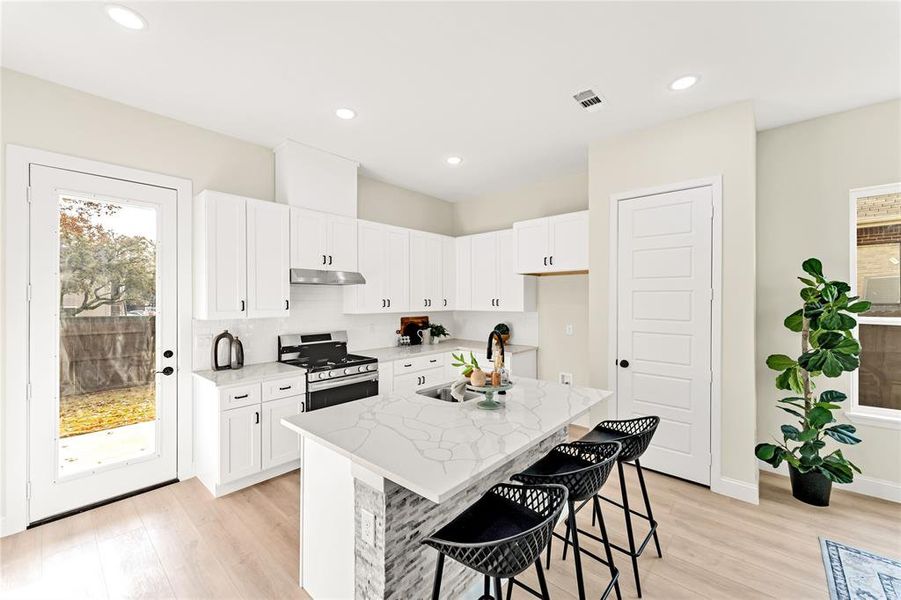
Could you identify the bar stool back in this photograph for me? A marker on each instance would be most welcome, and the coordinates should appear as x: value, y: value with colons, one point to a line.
x: 582, y: 468
x: 635, y: 436
x: 502, y: 534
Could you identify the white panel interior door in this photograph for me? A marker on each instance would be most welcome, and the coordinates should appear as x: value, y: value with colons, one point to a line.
x: 268, y: 259
x: 664, y: 300
x: 309, y: 239
x: 102, y: 330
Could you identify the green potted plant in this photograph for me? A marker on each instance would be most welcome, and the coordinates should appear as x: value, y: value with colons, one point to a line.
x: 828, y: 348
x: 438, y: 331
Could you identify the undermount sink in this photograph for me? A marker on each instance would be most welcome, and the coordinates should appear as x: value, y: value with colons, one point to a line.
x: 443, y: 392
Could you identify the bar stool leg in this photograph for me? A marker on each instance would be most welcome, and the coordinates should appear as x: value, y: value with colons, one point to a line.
x: 545, y: 595
x: 550, y: 543
x: 647, y: 505
x: 613, y: 571
x: 576, y: 554
x: 498, y: 588
x: 439, y: 568
x: 566, y: 542
x: 622, y: 487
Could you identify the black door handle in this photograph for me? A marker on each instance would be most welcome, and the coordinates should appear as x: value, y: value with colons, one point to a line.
x: 624, y: 364
x: 167, y: 371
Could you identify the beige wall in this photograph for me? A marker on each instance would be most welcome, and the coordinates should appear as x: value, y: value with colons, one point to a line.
x: 718, y: 142
x: 805, y: 172
x: 385, y: 203
x: 562, y: 299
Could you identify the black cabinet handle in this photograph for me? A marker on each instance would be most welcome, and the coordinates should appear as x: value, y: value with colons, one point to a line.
x: 552, y: 261
x: 434, y: 360
x: 445, y: 302
x: 498, y: 300
x: 383, y: 303
x: 323, y: 259
x: 242, y: 396
x: 167, y: 371
x: 389, y: 302
x: 545, y: 261
x: 242, y: 306
x: 287, y: 305
x: 408, y: 365
x: 425, y: 302
x: 329, y: 259
x: 287, y: 387
x: 257, y: 414
x: 624, y: 364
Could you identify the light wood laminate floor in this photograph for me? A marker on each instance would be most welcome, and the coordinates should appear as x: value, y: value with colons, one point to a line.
x: 180, y: 542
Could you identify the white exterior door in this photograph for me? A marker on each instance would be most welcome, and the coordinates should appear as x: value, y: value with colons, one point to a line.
x: 268, y: 259
x: 102, y: 331
x: 664, y: 297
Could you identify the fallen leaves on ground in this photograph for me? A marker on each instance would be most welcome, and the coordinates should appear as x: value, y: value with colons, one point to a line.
x: 98, y: 411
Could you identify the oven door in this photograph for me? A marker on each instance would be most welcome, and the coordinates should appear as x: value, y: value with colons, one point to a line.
x: 322, y: 394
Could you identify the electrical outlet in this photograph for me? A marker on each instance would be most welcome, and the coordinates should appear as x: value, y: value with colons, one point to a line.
x: 569, y: 329
x: 566, y: 378
x: 367, y: 526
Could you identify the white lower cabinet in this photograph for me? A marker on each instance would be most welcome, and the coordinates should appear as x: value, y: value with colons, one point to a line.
x: 280, y: 444
x: 238, y: 436
x: 421, y: 379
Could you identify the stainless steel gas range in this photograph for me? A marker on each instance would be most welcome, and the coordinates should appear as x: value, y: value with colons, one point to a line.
x: 333, y: 375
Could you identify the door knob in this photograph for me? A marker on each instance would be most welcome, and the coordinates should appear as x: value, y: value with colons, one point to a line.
x: 624, y: 364
x: 167, y: 371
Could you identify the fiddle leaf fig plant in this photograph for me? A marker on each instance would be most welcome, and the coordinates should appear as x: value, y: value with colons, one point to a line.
x: 826, y: 323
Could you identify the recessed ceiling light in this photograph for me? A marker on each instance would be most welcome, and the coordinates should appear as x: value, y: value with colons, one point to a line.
x: 125, y: 17
x: 454, y: 160
x: 683, y: 83
x: 345, y: 113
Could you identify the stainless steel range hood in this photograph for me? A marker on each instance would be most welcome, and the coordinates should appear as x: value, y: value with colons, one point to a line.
x: 317, y: 277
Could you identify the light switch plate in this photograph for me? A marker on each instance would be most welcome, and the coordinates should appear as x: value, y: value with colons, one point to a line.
x: 569, y: 329
x: 566, y: 378
x: 367, y: 527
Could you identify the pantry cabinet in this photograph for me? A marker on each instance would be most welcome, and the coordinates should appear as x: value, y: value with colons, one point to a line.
x: 241, y: 257
x: 557, y: 244
x: 323, y: 241
x: 384, y: 261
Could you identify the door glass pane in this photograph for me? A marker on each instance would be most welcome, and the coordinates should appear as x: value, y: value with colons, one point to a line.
x: 879, y: 380
x: 108, y: 299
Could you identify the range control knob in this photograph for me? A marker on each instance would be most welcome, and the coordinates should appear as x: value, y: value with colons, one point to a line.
x: 371, y: 367
x: 320, y: 375
x: 361, y: 369
x: 332, y: 373
x: 348, y: 371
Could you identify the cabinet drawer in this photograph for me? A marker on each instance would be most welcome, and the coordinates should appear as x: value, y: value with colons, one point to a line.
x: 282, y: 388
x: 419, y: 363
x: 239, y: 395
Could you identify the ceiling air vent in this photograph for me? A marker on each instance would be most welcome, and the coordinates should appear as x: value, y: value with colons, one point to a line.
x: 589, y: 100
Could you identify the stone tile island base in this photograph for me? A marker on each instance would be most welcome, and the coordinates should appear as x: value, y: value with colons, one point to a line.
x: 397, y: 565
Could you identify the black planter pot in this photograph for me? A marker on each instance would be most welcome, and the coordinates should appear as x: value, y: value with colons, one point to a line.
x: 811, y: 487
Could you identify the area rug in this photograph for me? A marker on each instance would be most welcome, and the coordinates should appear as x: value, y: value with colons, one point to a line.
x: 854, y: 574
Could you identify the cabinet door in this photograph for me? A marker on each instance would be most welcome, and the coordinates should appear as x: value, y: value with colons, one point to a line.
x: 397, y: 268
x: 448, y: 299
x: 309, y: 239
x: 483, y: 271
x: 532, y: 246
x: 370, y: 297
x: 342, y: 244
x: 569, y: 242
x: 433, y: 377
x: 223, y: 231
x: 280, y: 444
x: 463, y: 249
x: 410, y: 382
x: 419, y: 266
x: 434, y: 270
x: 268, y: 252
x: 239, y: 443
x: 511, y: 285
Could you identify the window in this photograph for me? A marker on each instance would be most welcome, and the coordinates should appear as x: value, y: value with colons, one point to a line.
x: 876, y: 276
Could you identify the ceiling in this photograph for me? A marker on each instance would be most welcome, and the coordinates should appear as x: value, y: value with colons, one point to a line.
x: 490, y: 82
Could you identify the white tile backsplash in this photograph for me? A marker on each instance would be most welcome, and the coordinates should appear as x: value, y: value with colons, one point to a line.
x: 319, y: 308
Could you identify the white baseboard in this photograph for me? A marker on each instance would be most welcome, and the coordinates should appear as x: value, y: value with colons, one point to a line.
x: 868, y: 486
x: 740, y: 490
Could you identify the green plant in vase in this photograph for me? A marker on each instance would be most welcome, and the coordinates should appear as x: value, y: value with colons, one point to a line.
x: 828, y: 348
x: 438, y: 331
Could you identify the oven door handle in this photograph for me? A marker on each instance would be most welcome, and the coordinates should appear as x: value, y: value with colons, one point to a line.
x: 327, y: 385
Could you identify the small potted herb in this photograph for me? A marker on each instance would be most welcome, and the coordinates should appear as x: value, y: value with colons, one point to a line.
x: 438, y: 331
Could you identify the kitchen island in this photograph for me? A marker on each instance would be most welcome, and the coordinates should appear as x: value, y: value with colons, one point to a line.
x: 381, y: 473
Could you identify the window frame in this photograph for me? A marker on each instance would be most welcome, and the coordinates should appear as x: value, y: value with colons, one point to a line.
x: 869, y: 415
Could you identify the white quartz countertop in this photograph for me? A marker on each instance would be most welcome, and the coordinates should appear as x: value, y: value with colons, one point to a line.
x: 250, y: 373
x: 449, y: 345
x: 436, y: 448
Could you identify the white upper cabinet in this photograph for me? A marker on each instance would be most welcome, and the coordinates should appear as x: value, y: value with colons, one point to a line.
x: 426, y: 271
x: 384, y: 260
x: 448, y: 274
x: 240, y: 257
x: 323, y: 241
x: 268, y: 285
x: 462, y: 272
x: 495, y: 284
x: 309, y: 178
x: 553, y: 244
x: 220, y: 250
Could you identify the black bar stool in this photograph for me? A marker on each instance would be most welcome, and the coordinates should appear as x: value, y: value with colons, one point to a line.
x: 635, y: 436
x: 501, y: 535
x: 582, y: 468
